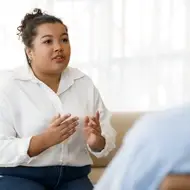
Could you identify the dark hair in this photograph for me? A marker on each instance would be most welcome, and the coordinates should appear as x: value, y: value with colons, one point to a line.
x: 28, y: 28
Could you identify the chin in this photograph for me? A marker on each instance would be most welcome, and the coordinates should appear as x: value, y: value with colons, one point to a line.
x: 60, y: 68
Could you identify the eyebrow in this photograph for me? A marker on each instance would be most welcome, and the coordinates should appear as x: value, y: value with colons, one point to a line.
x: 49, y: 35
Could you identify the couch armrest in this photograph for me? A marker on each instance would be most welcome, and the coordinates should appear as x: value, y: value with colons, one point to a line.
x: 176, y: 182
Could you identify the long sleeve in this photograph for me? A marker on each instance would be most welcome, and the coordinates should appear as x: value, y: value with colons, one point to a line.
x: 107, y: 130
x: 13, y: 151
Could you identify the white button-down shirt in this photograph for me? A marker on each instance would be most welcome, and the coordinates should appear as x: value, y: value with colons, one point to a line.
x: 158, y: 145
x: 27, y: 106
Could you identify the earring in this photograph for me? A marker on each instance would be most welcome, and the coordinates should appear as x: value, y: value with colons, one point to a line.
x: 30, y: 59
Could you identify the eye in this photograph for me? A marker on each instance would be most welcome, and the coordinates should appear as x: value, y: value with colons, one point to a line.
x: 65, y: 40
x: 48, y: 41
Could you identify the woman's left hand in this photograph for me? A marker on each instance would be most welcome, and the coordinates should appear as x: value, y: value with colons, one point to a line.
x: 92, y: 130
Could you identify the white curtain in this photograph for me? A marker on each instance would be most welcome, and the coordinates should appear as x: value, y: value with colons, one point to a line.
x: 136, y: 51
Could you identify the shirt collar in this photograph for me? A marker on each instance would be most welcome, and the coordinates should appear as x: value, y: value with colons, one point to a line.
x: 68, y: 77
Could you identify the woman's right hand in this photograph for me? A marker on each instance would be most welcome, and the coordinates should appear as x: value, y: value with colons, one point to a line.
x: 60, y: 129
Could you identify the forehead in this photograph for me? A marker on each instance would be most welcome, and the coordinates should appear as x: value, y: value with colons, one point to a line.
x: 54, y: 29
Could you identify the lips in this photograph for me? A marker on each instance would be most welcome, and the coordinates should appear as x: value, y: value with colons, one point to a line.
x: 59, y: 58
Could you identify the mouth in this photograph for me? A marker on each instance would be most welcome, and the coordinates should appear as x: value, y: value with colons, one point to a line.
x: 59, y: 58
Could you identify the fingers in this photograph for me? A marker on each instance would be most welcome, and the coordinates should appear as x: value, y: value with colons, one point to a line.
x: 71, y: 121
x: 67, y: 132
x: 89, y: 130
x: 62, y: 127
x: 97, y: 116
x: 86, y: 120
x: 94, y: 126
x: 66, y: 128
x: 54, y: 118
x: 65, y: 123
x: 92, y: 122
x: 59, y: 119
x: 67, y: 135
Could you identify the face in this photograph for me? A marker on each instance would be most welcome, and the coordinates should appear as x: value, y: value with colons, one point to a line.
x: 50, y: 53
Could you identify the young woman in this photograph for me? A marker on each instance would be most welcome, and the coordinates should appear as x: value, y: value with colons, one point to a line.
x: 51, y: 115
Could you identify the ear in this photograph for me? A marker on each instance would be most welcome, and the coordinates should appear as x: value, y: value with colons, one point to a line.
x: 29, y: 52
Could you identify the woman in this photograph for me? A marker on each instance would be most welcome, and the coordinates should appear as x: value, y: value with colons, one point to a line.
x: 51, y: 115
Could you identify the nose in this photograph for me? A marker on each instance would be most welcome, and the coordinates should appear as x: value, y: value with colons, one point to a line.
x: 58, y: 47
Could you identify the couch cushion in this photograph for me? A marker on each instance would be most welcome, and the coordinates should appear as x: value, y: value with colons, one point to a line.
x: 95, y: 174
x: 121, y: 122
x: 174, y: 182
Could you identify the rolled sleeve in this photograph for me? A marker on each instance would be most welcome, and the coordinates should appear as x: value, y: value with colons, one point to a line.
x: 24, y: 144
x: 109, y: 145
x: 14, y: 151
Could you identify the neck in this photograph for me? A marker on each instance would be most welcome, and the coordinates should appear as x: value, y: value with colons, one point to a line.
x: 51, y: 80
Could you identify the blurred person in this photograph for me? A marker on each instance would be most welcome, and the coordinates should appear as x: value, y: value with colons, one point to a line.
x: 155, y: 154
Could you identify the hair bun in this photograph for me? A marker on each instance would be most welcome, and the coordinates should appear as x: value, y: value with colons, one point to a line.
x: 37, y: 12
x: 27, y: 18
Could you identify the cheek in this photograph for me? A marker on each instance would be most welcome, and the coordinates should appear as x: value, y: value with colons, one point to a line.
x: 45, y: 53
x: 67, y: 48
x: 68, y: 51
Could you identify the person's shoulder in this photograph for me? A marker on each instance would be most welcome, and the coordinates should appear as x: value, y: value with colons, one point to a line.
x: 7, y: 86
x: 77, y: 74
x: 170, y: 124
x: 8, y: 80
x: 172, y: 115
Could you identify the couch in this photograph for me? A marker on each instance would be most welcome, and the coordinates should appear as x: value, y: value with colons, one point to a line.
x: 121, y: 122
